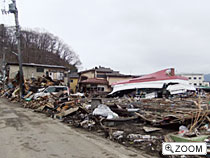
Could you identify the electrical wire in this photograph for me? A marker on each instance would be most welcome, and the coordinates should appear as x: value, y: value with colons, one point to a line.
x: 5, y: 18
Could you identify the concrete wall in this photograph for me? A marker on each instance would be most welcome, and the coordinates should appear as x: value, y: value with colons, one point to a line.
x: 195, y: 79
x: 89, y: 74
x: 13, y: 70
x: 206, y: 84
x: 117, y: 79
x: 30, y: 72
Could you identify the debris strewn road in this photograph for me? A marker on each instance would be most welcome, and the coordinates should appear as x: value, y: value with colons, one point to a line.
x: 25, y: 134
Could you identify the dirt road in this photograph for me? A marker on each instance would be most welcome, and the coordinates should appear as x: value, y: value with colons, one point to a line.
x: 26, y: 134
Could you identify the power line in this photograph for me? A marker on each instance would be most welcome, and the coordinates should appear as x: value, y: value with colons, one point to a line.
x: 13, y: 9
x: 4, y: 10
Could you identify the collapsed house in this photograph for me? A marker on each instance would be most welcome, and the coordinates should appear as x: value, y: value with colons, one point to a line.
x: 157, y: 84
x: 140, y: 123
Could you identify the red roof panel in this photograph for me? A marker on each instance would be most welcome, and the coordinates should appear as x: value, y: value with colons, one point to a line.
x: 166, y: 74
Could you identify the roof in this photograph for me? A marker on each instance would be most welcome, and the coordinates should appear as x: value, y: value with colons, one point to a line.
x: 94, y: 81
x: 117, y: 74
x: 74, y: 75
x: 165, y: 74
x: 191, y: 74
x: 99, y: 69
x: 103, y: 69
x: 86, y: 71
x: 38, y: 65
x: 152, y: 81
x: 108, y: 72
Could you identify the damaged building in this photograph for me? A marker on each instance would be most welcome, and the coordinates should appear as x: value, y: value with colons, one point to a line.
x: 157, y: 84
x: 143, y: 124
x: 100, y: 79
x: 32, y: 70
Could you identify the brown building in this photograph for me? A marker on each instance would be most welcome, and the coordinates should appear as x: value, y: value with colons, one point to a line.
x: 99, y: 79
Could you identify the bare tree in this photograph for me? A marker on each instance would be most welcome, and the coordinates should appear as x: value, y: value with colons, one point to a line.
x: 40, y: 47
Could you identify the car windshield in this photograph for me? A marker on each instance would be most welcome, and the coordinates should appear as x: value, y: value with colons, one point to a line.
x: 50, y: 90
x: 55, y: 89
x: 58, y: 89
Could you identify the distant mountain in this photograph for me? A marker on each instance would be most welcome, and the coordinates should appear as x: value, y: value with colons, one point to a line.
x: 207, y: 77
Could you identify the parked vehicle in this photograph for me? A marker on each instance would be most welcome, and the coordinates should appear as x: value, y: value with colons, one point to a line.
x: 52, y: 89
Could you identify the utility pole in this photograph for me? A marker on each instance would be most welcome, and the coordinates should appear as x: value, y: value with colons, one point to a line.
x: 13, y: 9
x: 2, y: 33
x: 4, y: 68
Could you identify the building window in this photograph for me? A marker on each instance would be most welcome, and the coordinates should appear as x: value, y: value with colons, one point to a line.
x: 195, y: 84
x: 83, y: 78
x: 199, y: 78
x: 101, y: 76
x: 189, y: 78
x: 39, y: 69
x: 72, y: 81
x: 101, y: 89
x: 200, y: 84
x: 195, y: 78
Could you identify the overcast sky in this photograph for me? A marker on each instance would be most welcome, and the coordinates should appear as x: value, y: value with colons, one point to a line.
x: 132, y: 36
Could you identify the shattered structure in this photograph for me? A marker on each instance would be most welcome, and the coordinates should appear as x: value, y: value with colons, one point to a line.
x: 32, y: 70
x: 140, y: 123
x: 159, y: 82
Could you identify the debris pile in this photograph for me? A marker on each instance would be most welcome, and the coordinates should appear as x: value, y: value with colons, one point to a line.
x: 140, y: 123
x: 31, y: 86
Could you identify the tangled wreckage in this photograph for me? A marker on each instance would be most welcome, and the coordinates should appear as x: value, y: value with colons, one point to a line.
x: 142, y: 123
x: 157, y: 84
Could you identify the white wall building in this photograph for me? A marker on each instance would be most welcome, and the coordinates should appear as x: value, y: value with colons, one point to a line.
x: 206, y: 83
x: 31, y: 70
x: 195, y: 79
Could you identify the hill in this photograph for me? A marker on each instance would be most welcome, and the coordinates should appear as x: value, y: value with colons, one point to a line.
x: 38, y: 47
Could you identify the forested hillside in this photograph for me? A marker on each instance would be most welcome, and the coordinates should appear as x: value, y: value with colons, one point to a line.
x: 37, y: 47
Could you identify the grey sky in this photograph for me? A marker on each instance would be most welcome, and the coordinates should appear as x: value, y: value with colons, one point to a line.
x: 132, y: 36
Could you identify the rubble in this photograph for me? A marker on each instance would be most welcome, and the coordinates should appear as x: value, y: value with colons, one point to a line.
x: 150, y: 129
x: 141, y: 123
x: 105, y: 111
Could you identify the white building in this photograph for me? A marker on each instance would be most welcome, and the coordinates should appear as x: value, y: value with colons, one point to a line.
x: 206, y: 83
x: 195, y: 79
x: 31, y: 70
